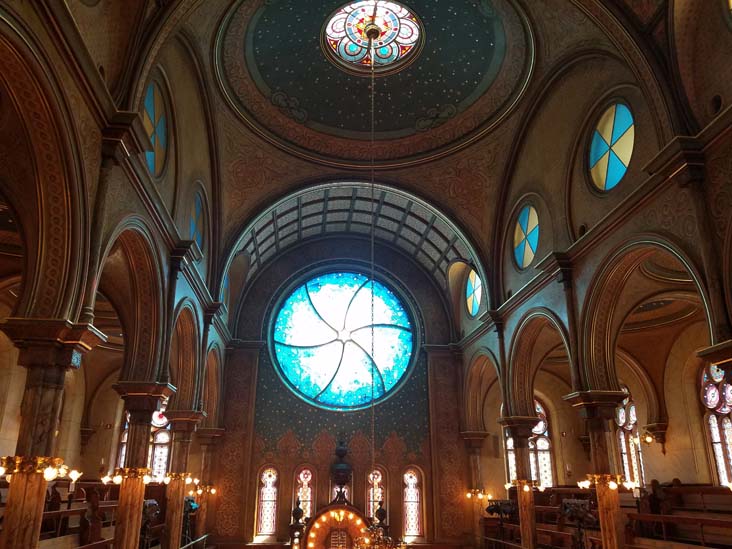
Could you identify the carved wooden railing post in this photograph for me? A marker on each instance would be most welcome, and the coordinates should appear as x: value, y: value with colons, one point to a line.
x: 520, y: 429
x: 48, y: 348
x: 208, y: 438
x: 141, y: 400
x: 182, y: 424
x: 597, y: 408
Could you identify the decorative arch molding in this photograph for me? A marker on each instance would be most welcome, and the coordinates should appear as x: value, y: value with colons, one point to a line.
x: 481, y: 376
x: 649, y: 74
x: 650, y: 393
x: 143, y: 323
x: 212, y: 387
x: 522, y: 366
x: 51, y: 192
x: 184, y: 352
x: 405, y: 221
x: 600, y: 323
x: 162, y: 27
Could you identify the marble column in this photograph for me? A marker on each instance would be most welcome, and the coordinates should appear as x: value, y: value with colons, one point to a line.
x: 48, y: 348
x: 521, y: 430
x: 182, y: 424
x: 597, y: 408
x: 208, y: 438
x: 141, y: 400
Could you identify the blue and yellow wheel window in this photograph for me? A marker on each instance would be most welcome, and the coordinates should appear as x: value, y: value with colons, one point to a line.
x: 473, y: 293
x: 156, y: 125
x: 611, y: 147
x: 526, y: 236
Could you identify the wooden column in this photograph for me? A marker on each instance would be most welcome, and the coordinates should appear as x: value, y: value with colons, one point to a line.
x: 141, y: 400
x: 208, y: 438
x: 597, y: 408
x: 48, y: 348
x: 182, y: 424
x: 474, y: 444
x: 520, y: 429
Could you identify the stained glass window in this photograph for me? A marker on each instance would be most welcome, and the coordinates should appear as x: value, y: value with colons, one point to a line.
x: 346, y: 492
x: 473, y: 293
x: 155, y: 122
x: 323, y: 347
x: 304, y: 491
x: 197, y: 222
x: 540, y: 451
x: 267, y: 508
x: 716, y: 394
x: 376, y: 492
x: 160, y: 438
x: 631, y: 456
x: 412, y: 503
x: 526, y: 236
x: 345, y: 37
x: 611, y: 147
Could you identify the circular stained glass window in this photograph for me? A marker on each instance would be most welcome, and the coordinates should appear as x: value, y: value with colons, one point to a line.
x: 322, y: 341
x: 612, y: 147
x: 526, y: 236
x: 346, y: 40
x: 155, y: 122
x: 473, y: 293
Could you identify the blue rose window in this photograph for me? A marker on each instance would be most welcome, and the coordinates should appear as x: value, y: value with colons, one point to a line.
x: 322, y: 341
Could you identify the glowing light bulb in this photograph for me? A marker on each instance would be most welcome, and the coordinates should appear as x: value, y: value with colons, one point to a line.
x: 213, y: 490
x: 196, y: 481
x: 507, y: 486
x: 468, y: 495
x: 2, y: 470
x: 117, y: 479
x: 526, y: 488
x: 146, y: 479
x: 50, y: 473
x: 75, y: 475
x: 106, y: 479
x: 199, y: 491
x: 612, y: 485
x: 189, y: 480
x: 166, y: 480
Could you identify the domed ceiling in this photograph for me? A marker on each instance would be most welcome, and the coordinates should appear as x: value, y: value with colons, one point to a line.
x: 473, y: 66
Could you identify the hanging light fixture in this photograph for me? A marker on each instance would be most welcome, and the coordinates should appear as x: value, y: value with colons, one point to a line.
x: 374, y: 536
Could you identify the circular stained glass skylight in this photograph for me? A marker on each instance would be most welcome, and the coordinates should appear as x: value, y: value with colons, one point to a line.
x: 611, y: 147
x: 473, y: 293
x: 322, y: 341
x: 526, y: 236
x: 346, y: 41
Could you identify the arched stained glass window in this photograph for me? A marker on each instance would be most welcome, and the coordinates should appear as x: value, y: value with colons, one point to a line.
x: 346, y: 492
x: 716, y: 394
x: 156, y: 124
x: 267, y: 507
x: 526, y: 236
x: 322, y: 341
x: 473, y: 293
x: 345, y: 39
x: 540, y: 451
x: 413, y: 525
x: 376, y: 492
x: 611, y: 147
x: 304, y: 491
x: 197, y: 221
x: 631, y: 457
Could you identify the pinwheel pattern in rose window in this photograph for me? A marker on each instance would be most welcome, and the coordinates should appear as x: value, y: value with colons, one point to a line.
x: 322, y: 341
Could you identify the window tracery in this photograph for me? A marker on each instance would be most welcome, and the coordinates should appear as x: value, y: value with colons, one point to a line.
x: 611, y: 147
x: 631, y: 456
x: 540, y: 451
x: 304, y: 491
x: 413, y: 503
x: 376, y: 492
x: 716, y: 395
x: 267, y: 505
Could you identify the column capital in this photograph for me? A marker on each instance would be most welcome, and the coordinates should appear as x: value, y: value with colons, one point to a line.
x: 595, y: 404
x: 143, y: 397
x: 183, y: 420
x: 719, y: 354
x: 51, y: 342
x: 473, y: 439
x: 209, y: 435
x: 521, y: 427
